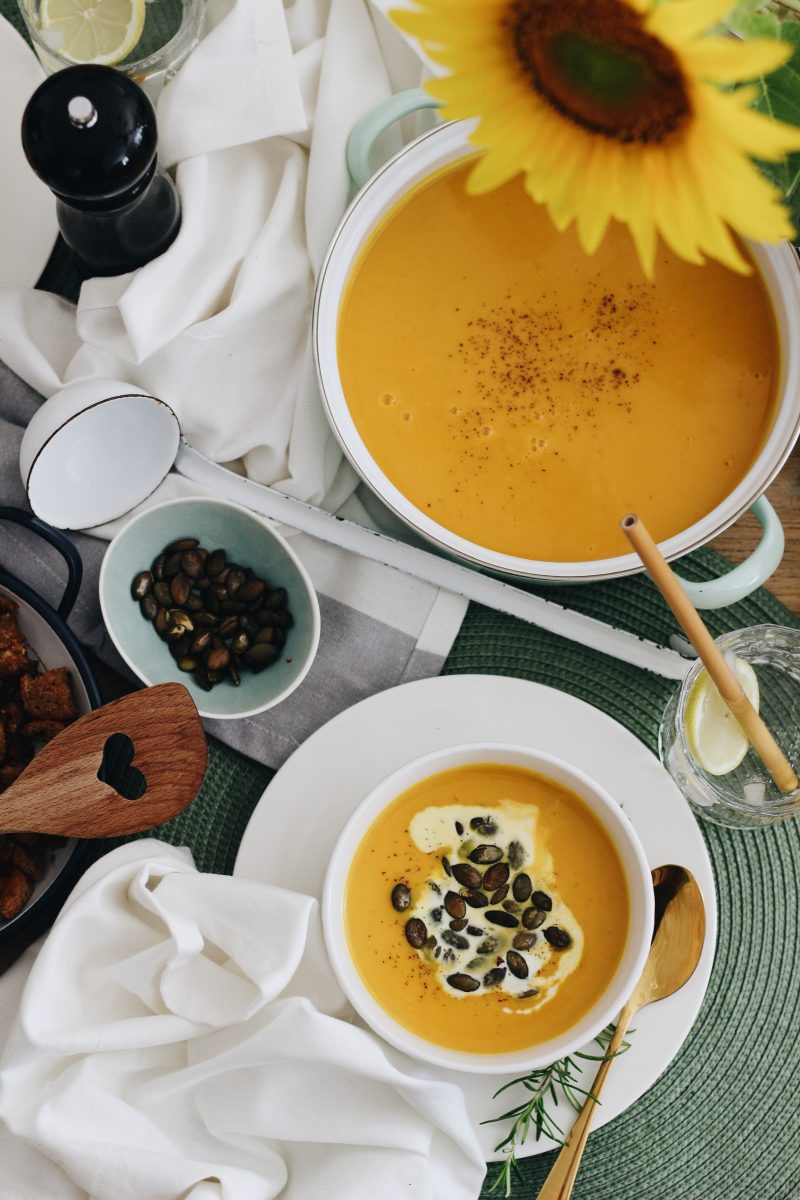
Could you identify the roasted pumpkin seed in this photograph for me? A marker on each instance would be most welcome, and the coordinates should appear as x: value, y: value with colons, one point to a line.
x: 415, y: 932
x: 496, y: 876
x: 522, y: 887
x: 467, y: 875
x: 484, y: 855
x: 517, y: 965
x: 142, y: 583
x: 498, y: 917
x: 149, y: 606
x: 485, y: 826
x: 516, y: 855
x: 463, y: 983
x: 532, y: 918
x: 192, y: 564
x: 455, y: 905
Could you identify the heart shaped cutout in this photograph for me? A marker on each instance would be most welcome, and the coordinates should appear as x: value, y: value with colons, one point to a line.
x: 117, y: 769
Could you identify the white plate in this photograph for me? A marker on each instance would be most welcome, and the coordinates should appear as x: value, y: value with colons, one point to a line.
x: 28, y: 225
x: 296, y: 823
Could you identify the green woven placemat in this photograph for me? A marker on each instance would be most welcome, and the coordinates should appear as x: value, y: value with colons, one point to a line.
x: 722, y: 1123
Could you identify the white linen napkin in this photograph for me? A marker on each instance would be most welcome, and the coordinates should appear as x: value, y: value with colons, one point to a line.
x: 180, y: 1035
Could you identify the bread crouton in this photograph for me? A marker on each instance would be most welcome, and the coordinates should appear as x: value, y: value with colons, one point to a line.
x: 16, y: 890
x: 13, y: 657
x: 41, y: 731
x: 48, y: 697
x: 31, y: 860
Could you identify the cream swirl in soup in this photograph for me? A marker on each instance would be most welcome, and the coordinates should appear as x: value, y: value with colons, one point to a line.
x: 506, y: 944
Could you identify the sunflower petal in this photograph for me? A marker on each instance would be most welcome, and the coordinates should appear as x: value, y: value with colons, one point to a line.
x: 750, y: 131
x: 594, y: 212
x: 722, y: 60
x: 680, y: 21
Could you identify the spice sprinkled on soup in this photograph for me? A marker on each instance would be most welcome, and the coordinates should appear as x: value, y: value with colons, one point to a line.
x: 486, y: 909
x: 524, y: 395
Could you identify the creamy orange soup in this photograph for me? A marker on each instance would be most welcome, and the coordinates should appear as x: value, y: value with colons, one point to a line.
x: 503, y: 963
x: 526, y: 396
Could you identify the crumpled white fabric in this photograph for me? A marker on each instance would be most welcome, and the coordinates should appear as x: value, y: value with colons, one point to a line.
x: 256, y: 121
x: 179, y: 1035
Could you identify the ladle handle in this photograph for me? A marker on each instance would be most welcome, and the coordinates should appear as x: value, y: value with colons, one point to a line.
x: 561, y: 1180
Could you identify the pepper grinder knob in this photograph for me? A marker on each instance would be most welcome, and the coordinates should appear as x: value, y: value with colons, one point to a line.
x: 89, y: 132
x: 82, y: 112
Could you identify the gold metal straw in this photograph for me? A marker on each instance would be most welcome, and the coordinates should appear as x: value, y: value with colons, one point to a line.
x: 727, y: 684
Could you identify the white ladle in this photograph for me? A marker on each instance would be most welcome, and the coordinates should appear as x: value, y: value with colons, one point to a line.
x: 99, y: 447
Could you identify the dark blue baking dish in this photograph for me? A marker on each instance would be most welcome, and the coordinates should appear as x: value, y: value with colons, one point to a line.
x: 55, y: 645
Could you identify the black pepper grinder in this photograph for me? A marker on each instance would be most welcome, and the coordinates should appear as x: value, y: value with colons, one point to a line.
x: 89, y: 133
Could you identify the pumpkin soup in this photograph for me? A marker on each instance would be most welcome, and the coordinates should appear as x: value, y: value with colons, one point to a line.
x: 486, y: 909
x: 524, y: 395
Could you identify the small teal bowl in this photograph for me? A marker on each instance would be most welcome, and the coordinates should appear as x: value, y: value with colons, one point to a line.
x: 247, y: 540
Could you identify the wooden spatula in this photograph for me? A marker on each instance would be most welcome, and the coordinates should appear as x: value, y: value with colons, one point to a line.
x: 152, y: 746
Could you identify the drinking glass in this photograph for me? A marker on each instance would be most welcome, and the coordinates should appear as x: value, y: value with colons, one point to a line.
x: 172, y: 28
x: 747, y: 797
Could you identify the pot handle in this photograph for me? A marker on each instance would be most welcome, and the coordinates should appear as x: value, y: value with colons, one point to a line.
x: 60, y: 543
x: 366, y: 132
x: 743, y: 579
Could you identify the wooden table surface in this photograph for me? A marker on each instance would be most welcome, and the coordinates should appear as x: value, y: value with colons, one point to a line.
x: 735, y: 543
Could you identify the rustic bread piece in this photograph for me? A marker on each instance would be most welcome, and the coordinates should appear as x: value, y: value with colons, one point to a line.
x: 12, y: 715
x: 31, y: 860
x: 13, y: 658
x: 16, y: 890
x: 41, y: 731
x: 48, y: 696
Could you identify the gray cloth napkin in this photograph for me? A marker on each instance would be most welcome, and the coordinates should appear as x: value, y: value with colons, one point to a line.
x: 377, y: 631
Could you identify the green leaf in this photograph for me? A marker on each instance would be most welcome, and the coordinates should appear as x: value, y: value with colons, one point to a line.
x: 779, y: 93
x: 748, y: 22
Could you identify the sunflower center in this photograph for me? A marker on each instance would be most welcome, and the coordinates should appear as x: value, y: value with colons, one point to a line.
x: 594, y: 63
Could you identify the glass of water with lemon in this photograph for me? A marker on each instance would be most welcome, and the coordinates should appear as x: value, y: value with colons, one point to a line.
x: 147, y: 39
x: 703, y: 747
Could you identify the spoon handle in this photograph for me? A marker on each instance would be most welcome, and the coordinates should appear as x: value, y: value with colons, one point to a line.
x: 561, y: 1180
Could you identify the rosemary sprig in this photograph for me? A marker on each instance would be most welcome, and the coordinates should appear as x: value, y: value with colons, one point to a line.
x: 544, y: 1086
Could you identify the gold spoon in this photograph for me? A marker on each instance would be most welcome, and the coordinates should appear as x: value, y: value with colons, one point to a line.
x: 679, y: 933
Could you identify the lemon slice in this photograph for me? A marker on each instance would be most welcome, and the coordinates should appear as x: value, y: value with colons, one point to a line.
x: 92, y: 31
x: 714, y: 735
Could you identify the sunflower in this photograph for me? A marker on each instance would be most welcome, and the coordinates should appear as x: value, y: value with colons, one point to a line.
x: 615, y: 108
